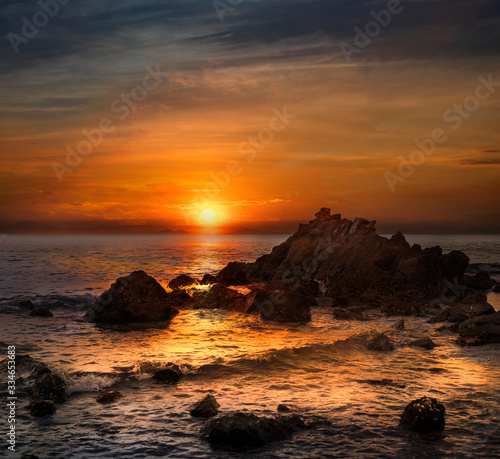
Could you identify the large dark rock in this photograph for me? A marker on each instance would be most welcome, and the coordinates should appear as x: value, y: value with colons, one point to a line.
x: 479, y: 281
x: 182, y: 281
x: 496, y: 288
x: 244, y: 430
x: 207, y: 407
x: 43, y: 408
x: 135, y: 298
x: 49, y: 386
x: 220, y: 296
x: 484, y: 329
x: 358, y: 264
x: 424, y: 415
x: 233, y: 274
x: 278, y: 304
x: 208, y: 279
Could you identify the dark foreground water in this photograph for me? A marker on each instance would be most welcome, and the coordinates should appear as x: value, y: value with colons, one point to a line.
x: 246, y: 364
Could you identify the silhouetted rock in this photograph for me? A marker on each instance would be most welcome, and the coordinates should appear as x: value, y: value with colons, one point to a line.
x: 426, y: 343
x: 380, y: 342
x: 43, y: 408
x: 182, y: 281
x: 485, y: 328
x: 424, y: 415
x: 49, y: 386
x: 41, y: 312
x: 108, y: 396
x: 208, y: 279
x: 496, y: 288
x: 207, y: 407
x: 358, y: 264
x: 479, y: 281
x: 244, y: 430
x: 220, y: 296
x: 233, y: 274
x: 170, y: 375
x: 281, y: 305
x: 26, y: 304
x: 135, y: 298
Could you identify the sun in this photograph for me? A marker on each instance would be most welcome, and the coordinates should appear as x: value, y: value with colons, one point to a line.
x: 208, y: 215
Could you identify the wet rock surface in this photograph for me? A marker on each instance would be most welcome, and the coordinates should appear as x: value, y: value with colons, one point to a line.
x: 424, y: 415
x: 170, y: 375
x: 43, y: 408
x: 485, y: 328
x: 425, y: 343
x: 182, y: 281
x: 135, y: 298
x: 207, y: 407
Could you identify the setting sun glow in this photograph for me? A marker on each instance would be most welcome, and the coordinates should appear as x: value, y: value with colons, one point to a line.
x: 208, y: 215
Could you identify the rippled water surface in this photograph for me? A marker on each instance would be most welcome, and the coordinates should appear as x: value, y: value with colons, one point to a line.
x: 247, y: 364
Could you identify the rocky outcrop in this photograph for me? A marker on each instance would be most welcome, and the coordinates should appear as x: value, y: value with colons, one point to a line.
x: 355, y: 263
x: 207, y: 407
x: 135, y: 298
x: 182, y: 281
x: 208, y: 279
x: 482, y: 329
x: 479, y: 281
x: 424, y: 415
x: 245, y: 430
x: 471, y: 303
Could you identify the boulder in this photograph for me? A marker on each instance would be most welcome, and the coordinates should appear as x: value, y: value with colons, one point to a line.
x: 424, y: 415
x: 135, y: 298
x: 233, y: 274
x: 245, y: 430
x: 220, y: 296
x: 182, y: 281
x: 108, y: 396
x: 208, y: 279
x: 400, y: 325
x: 485, y: 328
x: 281, y: 305
x: 479, y: 281
x: 41, y: 312
x: 170, y: 375
x: 207, y: 407
x: 426, y: 343
x: 358, y: 264
x: 49, y: 386
x: 380, y: 342
x: 43, y: 408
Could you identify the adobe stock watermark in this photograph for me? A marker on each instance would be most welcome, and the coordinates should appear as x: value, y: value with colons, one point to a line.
x: 122, y: 106
x: 248, y: 150
x: 224, y: 6
x: 454, y: 117
x: 372, y: 29
x: 30, y: 28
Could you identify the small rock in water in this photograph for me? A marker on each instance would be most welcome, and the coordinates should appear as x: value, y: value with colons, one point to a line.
x: 182, y: 281
x: 245, y: 430
x: 171, y: 375
x: 284, y: 408
x: 26, y: 304
x: 108, y: 396
x: 207, y: 407
x: 380, y: 342
x: 49, y: 386
x: 43, y: 408
x: 424, y: 415
x: 400, y: 325
x: 426, y: 343
x: 41, y: 312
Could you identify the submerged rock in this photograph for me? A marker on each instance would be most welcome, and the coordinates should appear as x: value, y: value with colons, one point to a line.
x: 41, y: 312
x: 426, y: 343
x: 182, y: 281
x: 135, y: 298
x: 108, y: 396
x: 485, y: 328
x: 244, y: 430
x: 43, y: 408
x: 380, y: 342
x: 207, y: 407
x: 424, y: 415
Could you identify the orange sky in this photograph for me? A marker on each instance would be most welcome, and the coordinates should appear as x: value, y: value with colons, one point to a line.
x: 352, y: 122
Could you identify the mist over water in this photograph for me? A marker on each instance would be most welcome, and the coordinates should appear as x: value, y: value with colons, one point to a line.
x: 245, y: 363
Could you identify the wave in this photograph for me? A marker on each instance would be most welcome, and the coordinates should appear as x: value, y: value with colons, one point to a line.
x: 90, y: 382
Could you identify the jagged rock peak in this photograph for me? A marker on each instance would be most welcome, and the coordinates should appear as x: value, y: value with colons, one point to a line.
x: 324, y: 215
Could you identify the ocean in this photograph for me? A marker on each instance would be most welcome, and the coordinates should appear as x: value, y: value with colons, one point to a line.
x: 245, y: 363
